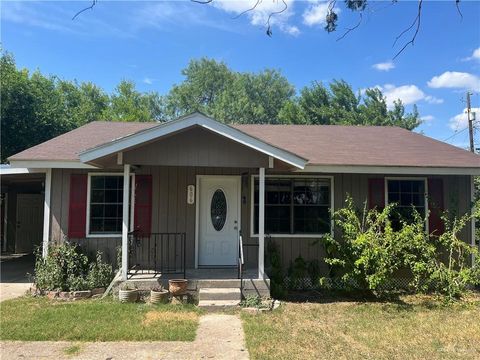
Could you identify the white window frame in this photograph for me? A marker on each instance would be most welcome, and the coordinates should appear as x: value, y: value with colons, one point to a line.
x: 132, y: 205
x: 425, y: 197
x: 332, y: 204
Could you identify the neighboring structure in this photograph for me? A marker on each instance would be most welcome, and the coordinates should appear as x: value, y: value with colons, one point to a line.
x: 207, y: 194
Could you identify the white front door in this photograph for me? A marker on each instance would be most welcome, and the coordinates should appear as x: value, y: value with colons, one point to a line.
x: 218, y: 220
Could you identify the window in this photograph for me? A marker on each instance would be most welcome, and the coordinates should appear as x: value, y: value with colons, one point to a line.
x: 106, y: 204
x: 406, y: 194
x: 295, y: 205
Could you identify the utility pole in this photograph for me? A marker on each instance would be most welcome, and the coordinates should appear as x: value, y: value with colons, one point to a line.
x: 470, y: 122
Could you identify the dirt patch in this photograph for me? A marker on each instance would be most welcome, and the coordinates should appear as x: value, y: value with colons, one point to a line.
x: 157, y: 316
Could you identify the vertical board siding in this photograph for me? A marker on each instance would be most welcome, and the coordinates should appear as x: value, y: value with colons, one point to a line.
x: 171, y: 213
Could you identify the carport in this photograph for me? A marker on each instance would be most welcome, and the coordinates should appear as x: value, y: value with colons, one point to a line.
x: 22, y: 209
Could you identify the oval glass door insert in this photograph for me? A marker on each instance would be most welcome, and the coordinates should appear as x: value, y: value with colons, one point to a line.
x: 218, y: 210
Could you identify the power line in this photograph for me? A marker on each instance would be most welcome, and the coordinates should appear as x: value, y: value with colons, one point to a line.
x: 456, y: 133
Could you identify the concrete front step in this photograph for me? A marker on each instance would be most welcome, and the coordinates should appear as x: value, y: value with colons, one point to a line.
x: 218, y: 304
x: 218, y: 283
x: 214, y: 294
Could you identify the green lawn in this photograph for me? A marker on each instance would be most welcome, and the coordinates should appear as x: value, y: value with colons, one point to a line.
x: 35, y: 319
x: 416, y: 329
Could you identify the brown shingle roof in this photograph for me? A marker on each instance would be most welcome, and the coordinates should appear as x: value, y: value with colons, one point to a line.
x: 67, y: 146
x: 321, y: 145
x: 362, y: 145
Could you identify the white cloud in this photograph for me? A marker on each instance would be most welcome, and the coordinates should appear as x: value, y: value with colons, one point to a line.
x: 475, y: 55
x: 433, y: 100
x: 460, y: 121
x: 385, y: 66
x: 259, y: 12
x: 427, y: 118
x: 148, y: 81
x: 409, y: 94
x: 455, y: 79
x: 317, y: 12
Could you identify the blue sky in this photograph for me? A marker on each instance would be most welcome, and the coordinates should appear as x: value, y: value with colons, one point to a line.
x: 150, y: 42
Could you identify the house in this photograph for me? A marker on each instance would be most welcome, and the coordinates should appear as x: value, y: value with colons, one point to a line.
x: 199, y: 198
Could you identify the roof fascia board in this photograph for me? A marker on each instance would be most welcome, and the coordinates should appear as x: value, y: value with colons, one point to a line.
x: 398, y: 170
x: 50, y: 164
x: 20, y: 170
x: 184, y: 123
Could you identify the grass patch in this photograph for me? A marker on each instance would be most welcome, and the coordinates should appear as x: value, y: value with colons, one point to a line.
x: 39, y: 319
x: 416, y: 328
x: 72, y: 350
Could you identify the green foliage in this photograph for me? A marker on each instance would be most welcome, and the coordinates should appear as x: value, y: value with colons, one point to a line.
x: 268, y: 98
x: 370, y: 252
x: 277, y: 288
x: 447, y: 268
x: 252, y: 301
x: 36, y: 108
x: 66, y: 268
x: 338, y: 105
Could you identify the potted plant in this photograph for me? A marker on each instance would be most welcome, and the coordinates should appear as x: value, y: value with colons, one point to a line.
x: 158, y: 295
x: 177, y: 286
x: 127, y: 293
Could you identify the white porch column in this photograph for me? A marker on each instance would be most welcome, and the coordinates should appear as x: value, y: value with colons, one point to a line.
x: 261, y: 224
x: 46, y: 212
x: 125, y: 220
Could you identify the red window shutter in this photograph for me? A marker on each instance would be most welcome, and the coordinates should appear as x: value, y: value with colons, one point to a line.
x: 435, y: 206
x: 77, y: 214
x: 376, y: 193
x: 142, y: 219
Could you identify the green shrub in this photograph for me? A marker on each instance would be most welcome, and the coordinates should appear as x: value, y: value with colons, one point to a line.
x: 445, y: 266
x: 66, y: 268
x: 277, y: 288
x: 370, y: 252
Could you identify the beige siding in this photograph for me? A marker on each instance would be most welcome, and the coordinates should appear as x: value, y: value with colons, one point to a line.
x: 171, y: 213
x: 196, y: 147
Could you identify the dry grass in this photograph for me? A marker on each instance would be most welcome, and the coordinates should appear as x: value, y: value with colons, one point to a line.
x: 416, y: 328
x: 154, y: 317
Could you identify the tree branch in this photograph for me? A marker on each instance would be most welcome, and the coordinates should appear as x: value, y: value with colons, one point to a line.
x: 248, y: 10
x: 94, y: 2
x: 417, y: 22
x: 457, y: 5
x: 202, y: 1
x: 352, y: 28
x: 269, y: 29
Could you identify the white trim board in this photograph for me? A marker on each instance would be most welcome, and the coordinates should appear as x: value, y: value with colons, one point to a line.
x: 52, y: 164
x: 186, y: 122
x: 389, y: 170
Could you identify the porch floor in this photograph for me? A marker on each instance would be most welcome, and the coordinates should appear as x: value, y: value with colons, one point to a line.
x: 195, y: 274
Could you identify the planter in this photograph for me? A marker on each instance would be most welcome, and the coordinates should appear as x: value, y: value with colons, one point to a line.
x: 177, y: 286
x: 128, y: 296
x: 158, y: 296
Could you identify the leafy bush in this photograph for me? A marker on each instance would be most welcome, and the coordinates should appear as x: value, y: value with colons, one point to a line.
x: 66, y: 268
x: 370, y: 253
x: 370, y: 250
x: 277, y: 289
x: 445, y: 265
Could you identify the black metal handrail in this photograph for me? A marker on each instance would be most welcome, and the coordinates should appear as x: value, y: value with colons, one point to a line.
x: 157, y: 253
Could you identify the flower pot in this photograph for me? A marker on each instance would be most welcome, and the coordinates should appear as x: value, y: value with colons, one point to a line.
x: 158, y: 296
x: 128, y: 296
x: 177, y: 286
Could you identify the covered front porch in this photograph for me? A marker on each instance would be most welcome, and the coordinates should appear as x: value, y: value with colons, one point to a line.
x: 187, y: 205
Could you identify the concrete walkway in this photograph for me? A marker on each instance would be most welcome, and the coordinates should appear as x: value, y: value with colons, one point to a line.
x: 14, y: 278
x: 218, y: 337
